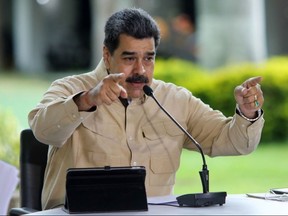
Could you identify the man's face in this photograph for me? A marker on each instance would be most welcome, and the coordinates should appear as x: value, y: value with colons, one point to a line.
x: 135, y: 58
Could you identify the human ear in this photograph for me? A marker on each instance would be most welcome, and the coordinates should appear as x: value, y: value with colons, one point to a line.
x: 106, y: 57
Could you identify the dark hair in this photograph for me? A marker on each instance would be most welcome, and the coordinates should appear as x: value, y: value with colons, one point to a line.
x: 133, y: 22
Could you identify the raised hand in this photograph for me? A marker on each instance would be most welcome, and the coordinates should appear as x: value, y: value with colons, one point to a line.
x: 249, y: 96
x: 107, y: 91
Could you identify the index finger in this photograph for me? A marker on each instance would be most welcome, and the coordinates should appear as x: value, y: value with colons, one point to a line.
x: 252, y: 82
x: 117, y: 77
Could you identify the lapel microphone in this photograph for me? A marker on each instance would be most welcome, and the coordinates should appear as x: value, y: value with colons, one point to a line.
x: 198, y: 199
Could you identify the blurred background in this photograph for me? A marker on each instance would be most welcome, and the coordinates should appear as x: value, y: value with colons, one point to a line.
x: 207, y: 46
x: 38, y: 36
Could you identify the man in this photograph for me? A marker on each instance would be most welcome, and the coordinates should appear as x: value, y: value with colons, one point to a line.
x: 103, y: 118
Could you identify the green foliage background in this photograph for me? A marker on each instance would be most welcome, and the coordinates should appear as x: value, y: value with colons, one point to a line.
x: 216, y: 88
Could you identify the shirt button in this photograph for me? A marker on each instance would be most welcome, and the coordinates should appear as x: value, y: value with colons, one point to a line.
x: 58, y: 126
x: 74, y: 116
x: 130, y: 138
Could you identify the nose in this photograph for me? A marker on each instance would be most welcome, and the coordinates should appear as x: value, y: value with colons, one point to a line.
x: 139, y: 67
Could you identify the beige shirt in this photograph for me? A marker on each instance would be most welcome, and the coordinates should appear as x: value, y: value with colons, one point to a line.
x: 141, y: 134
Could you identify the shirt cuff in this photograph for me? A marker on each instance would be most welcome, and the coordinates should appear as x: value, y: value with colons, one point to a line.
x: 259, y: 112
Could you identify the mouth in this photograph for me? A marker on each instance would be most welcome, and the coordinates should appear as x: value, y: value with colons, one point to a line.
x: 137, y: 85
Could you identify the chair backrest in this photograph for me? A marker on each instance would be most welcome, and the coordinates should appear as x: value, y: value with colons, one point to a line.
x: 33, y: 160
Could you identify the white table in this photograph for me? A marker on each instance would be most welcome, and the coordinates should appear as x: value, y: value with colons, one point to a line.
x: 236, y: 204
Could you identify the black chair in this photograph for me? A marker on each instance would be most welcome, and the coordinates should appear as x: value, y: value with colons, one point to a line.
x: 33, y: 160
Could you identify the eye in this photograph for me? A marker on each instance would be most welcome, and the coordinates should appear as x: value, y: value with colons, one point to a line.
x: 129, y: 59
x: 149, y: 59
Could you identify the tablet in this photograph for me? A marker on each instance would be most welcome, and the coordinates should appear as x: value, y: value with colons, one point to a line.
x: 105, y: 189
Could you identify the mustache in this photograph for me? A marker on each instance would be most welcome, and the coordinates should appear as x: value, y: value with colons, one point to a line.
x: 137, y: 79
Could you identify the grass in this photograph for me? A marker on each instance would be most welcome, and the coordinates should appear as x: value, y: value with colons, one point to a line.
x: 20, y: 93
x: 258, y: 172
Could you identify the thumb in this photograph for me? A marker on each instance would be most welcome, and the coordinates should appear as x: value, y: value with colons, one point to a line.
x: 240, y: 91
x: 117, y: 78
x: 123, y: 93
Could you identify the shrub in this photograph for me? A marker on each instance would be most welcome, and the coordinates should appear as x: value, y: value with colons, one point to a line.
x: 216, y: 88
x: 9, y: 138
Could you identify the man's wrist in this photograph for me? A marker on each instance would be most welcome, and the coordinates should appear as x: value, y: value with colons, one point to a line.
x: 238, y: 111
x: 82, y: 101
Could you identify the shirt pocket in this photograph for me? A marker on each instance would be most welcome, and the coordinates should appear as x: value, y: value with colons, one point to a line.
x: 164, y: 140
x: 106, y: 131
x: 100, y: 145
x: 159, y: 130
